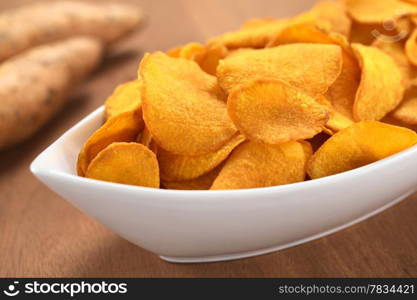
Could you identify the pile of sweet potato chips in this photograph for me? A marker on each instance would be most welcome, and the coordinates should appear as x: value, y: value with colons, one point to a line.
x: 273, y: 103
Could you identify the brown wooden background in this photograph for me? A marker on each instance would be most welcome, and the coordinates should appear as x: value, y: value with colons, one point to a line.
x: 43, y: 235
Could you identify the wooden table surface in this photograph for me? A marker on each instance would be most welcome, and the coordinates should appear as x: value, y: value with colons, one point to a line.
x: 43, y: 235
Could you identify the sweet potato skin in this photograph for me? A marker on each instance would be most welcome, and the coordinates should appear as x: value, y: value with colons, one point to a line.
x: 40, y: 23
x: 34, y: 85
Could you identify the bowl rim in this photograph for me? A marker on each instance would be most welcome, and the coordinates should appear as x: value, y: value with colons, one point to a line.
x: 372, y: 167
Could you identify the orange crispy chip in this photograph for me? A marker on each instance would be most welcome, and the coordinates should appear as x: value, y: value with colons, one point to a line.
x: 121, y: 128
x: 179, y: 168
x: 342, y: 92
x: 378, y: 11
x: 396, y: 51
x: 204, y: 182
x: 193, y: 51
x: 389, y: 119
x: 147, y: 140
x: 411, y: 48
x: 146, y: 137
x: 366, y: 33
x: 255, y: 165
x: 139, y: 137
x: 253, y: 36
x: 207, y: 57
x: 126, y: 97
x: 390, y: 31
x: 126, y: 163
x: 404, y: 26
x: 361, y: 144
x: 336, y: 122
x: 308, y: 149
x: 174, y: 52
x: 331, y: 11
x: 273, y: 112
x: 183, y: 107
x: 237, y: 52
x: 259, y: 32
x: 381, y: 88
x: 302, y: 33
x: 214, y: 53
x: 407, y: 111
x: 295, y: 64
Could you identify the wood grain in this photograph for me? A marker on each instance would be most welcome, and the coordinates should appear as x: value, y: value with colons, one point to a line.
x: 43, y: 235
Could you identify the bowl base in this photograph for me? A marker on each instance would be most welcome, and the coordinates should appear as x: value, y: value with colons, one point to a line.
x: 233, y: 256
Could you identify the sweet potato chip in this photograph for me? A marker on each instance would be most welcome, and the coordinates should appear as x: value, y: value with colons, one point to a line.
x: 404, y: 26
x: 411, y: 48
x: 174, y: 52
x: 183, y: 107
x: 126, y: 97
x: 259, y: 32
x: 407, y: 111
x: 365, y: 33
x: 147, y: 140
x: 331, y: 11
x: 390, y: 31
x: 302, y: 33
x: 396, y: 51
x: 342, y: 92
x: 239, y: 51
x: 273, y: 112
x: 378, y: 11
x: 139, y: 137
x: 179, y: 168
x: 204, y: 182
x: 194, y: 52
x: 336, y: 122
x: 255, y: 165
x: 214, y: 53
x: 207, y: 57
x: 257, y: 36
x: 361, y: 144
x: 121, y: 128
x: 126, y: 163
x: 389, y: 119
x: 308, y: 149
x: 295, y: 64
x: 381, y: 88
x: 311, y: 18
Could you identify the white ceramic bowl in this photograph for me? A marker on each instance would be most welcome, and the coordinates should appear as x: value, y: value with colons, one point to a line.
x: 201, y: 226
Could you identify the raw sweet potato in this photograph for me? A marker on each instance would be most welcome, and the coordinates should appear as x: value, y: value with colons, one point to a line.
x: 33, y: 85
x: 45, y: 22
